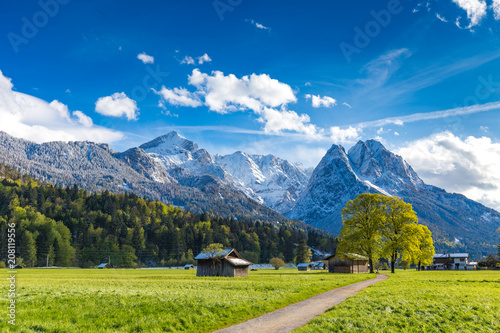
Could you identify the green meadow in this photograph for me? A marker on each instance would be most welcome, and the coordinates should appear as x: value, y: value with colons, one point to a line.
x: 128, y: 300
x: 409, y: 301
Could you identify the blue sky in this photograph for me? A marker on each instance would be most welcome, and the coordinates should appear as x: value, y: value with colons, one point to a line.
x: 283, y: 77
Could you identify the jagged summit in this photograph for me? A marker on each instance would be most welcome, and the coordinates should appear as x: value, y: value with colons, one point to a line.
x: 374, y: 163
x: 168, y: 144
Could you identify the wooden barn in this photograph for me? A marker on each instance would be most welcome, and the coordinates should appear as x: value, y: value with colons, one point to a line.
x: 228, y: 263
x: 304, y: 267
x: 188, y: 266
x: 347, y: 263
x: 103, y: 266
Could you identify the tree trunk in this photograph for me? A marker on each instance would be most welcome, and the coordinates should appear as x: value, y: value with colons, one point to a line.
x: 393, y: 261
x: 419, y: 265
x: 371, y: 265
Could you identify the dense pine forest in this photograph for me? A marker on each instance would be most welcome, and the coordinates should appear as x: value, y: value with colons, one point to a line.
x: 71, y: 227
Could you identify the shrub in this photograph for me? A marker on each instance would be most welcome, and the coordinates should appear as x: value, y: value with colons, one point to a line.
x: 277, y: 263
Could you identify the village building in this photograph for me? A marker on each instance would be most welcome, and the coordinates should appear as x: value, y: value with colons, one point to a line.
x: 304, y: 267
x: 347, y: 263
x: 451, y: 261
x: 103, y: 266
x: 227, y: 262
x: 189, y: 266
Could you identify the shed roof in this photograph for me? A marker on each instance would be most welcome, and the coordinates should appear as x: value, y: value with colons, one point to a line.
x: 238, y: 262
x: 102, y: 265
x: 188, y: 265
x: 352, y: 256
x: 223, y: 253
x: 303, y: 265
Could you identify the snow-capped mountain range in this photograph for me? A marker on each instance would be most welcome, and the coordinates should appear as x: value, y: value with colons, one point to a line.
x: 269, y: 180
x: 176, y: 170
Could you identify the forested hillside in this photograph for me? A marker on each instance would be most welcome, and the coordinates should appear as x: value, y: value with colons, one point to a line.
x: 71, y: 227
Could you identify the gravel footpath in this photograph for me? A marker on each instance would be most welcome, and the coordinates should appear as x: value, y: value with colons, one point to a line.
x: 298, y: 314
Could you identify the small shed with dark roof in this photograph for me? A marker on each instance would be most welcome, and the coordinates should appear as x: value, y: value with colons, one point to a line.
x: 304, y: 267
x: 227, y: 262
x: 347, y: 263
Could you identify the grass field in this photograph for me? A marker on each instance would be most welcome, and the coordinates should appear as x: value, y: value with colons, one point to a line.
x: 410, y: 301
x: 82, y: 300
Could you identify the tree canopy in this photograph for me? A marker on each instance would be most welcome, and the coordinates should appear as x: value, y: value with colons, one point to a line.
x: 378, y: 226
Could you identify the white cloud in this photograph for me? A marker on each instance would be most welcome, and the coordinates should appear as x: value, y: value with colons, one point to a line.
x: 339, y: 135
x: 187, y: 60
x: 117, y: 105
x: 277, y: 121
x: 225, y: 94
x: 266, y: 97
x: 484, y: 129
x: 28, y: 117
x: 83, y: 119
x: 179, y: 96
x: 476, y: 11
x: 68, y: 91
x: 258, y: 25
x: 147, y: 59
x: 380, y: 70
x: 204, y: 58
x: 467, y: 166
x: 348, y: 105
x: 396, y: 133
x: 325, y: 101
x: 460, y: 111
x: 308, y: 84
x: 442, y: 19
x: 200, y: 60
x: 496, y: 9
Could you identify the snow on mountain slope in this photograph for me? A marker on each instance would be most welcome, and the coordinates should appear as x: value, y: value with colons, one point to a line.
x: 269, y: 180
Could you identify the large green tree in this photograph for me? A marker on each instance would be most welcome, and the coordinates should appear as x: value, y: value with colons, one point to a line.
x: 418, y: 245
x: 397, y: 233
x: 363, y: 220
x: 377, y: 226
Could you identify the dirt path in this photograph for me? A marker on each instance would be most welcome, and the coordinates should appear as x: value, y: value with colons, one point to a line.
x: 298, y: 314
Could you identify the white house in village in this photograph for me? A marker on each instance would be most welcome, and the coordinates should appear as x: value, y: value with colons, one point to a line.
x: 452, y: 261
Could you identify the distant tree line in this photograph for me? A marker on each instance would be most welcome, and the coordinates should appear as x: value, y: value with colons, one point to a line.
x: 71, y: 227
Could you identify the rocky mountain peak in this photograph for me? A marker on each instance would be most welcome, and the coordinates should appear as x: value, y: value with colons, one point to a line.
x: 170, y: 144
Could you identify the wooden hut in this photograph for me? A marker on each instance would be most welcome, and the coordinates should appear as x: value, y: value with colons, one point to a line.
x: 227, y: 262
x: 103, y: 266
x: 347, y: 263
x: 189, y: 266
x: 304, y: 267
x: 318, y: 265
